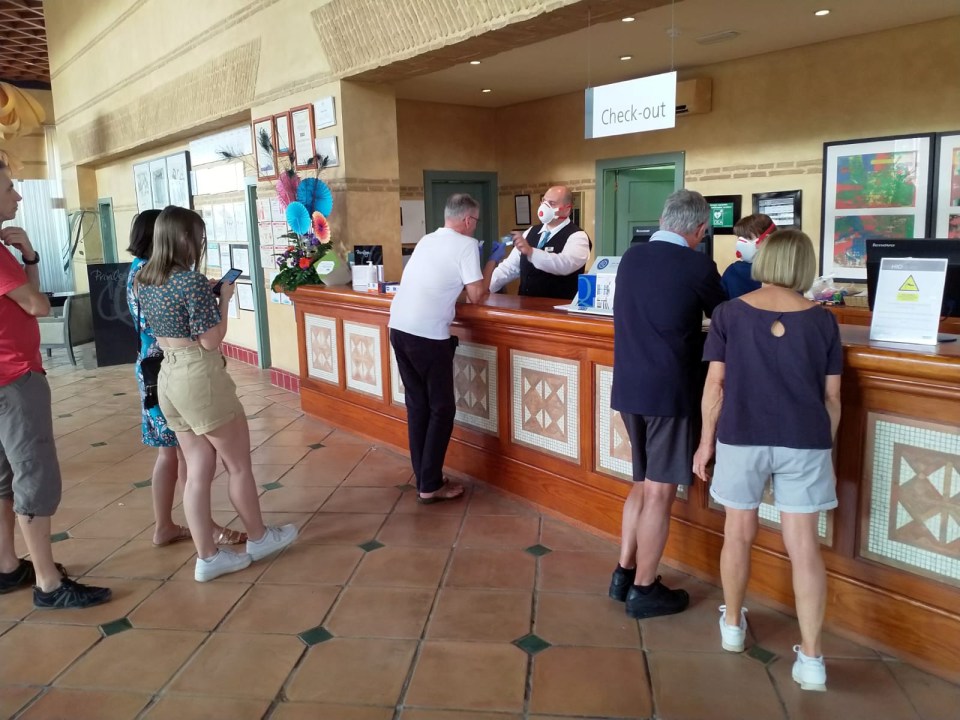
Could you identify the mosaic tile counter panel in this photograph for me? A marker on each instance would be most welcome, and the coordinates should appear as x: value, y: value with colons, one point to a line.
x: 532, y: 389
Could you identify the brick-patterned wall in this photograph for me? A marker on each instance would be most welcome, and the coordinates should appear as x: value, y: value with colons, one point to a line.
x: 736, y: 172
x: 416, y: 36
x: 192, y: 99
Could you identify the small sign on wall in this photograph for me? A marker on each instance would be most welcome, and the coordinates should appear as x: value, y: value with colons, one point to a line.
x: 631, y: 106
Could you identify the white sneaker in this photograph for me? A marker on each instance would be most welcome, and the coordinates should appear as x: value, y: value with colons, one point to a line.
x: 809, y: 672
x: 222, y: 563
x: 732, y: 637
x: 274, y: 540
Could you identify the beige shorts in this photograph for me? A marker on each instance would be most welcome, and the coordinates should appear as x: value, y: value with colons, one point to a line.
x: 195, y: 390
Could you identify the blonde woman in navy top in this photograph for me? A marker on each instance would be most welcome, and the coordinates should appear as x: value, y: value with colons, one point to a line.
x: 771, y: 406
x: 197, y: 396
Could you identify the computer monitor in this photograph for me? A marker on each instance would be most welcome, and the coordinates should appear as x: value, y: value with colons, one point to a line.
x: 879, y: 248
x: 642, y: 233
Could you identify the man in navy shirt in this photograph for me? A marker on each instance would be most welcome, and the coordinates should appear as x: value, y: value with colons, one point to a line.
x: 663, y: 290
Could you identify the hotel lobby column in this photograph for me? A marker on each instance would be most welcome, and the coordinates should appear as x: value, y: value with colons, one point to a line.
x: 369, y: 194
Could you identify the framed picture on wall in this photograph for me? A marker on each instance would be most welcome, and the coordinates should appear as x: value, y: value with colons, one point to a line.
x: 281, y: 126
x: 142, y: 183
x: 947, y: 199
x: 327, y: 148
x: 783, y: 207
x: 576, y: 212
x: 521, y: 204
x: 245, y: 296
x: 264, y: 145
x: 158, y: 183
x: 872, y: 188
x: 301, y: 122
x: 178, y: 180
x: 724, y: 212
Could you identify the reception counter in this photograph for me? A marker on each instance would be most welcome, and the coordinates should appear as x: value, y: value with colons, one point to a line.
x: 533, y: 398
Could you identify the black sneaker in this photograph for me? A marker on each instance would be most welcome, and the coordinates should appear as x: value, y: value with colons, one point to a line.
x: 23, y: 576
x: 621, y: 582
x: 659, y: 600
x: 70, y: 594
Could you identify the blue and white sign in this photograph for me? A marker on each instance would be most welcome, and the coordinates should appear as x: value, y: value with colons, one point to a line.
x: 631, y: 106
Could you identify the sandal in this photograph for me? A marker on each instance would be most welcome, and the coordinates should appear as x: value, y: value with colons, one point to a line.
x: 448, y: 491
x: 183, y: 533
x: 227, y: 536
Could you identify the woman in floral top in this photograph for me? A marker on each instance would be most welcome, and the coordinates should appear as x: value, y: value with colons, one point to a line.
x: 154, y: 431
x: 196, y: 393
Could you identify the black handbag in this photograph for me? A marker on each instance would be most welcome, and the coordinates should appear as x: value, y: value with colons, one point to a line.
x: 149, y: 369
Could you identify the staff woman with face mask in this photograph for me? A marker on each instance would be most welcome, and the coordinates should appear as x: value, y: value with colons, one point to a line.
x: 751, y: 231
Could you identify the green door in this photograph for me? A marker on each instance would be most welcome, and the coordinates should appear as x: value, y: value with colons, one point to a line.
x: 442, y: 192
x: 631, y: 192
x: 640, y: 194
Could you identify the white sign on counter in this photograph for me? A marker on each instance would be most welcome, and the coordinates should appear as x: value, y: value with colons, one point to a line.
x: 908, y: 300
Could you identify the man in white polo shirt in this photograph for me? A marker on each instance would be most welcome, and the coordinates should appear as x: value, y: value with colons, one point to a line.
x: 442, y: 265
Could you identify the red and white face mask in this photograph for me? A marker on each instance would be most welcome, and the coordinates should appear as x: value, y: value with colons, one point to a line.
x: 747, y: 248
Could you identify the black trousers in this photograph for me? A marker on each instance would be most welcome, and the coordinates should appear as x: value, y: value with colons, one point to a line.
x: 426, y: 368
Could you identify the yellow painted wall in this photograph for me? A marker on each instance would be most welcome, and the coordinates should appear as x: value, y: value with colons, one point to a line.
x: 776, y: 109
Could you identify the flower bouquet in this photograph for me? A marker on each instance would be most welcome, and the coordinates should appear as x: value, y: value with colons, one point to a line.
x: 307, y: 203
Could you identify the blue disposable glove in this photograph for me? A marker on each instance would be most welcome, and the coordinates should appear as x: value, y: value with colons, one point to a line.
x: 498, y: 251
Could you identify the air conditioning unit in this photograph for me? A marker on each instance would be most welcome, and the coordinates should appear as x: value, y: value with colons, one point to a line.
x: 694, y: 96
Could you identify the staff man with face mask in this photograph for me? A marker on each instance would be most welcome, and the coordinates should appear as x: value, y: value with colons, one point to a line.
x: 550, y: 256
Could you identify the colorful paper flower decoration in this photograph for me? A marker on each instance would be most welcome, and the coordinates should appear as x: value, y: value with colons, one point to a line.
x: 314, y: 194
x: 321, y: 228
x: 298, y: 218
x: 287, y: 188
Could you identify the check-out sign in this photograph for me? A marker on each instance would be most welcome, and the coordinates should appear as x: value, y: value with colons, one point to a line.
x: 632, y: 106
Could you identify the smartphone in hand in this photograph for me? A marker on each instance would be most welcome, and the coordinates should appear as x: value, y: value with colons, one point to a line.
x: 229, y: 277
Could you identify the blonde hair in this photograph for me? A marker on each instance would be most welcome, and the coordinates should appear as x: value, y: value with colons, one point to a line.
x: 179, y: 243
x: 786, y: 259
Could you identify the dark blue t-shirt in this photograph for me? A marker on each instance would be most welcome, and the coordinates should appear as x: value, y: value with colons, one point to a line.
x: 773, y: 388
x: 736, y: 279
x: 663, y: 291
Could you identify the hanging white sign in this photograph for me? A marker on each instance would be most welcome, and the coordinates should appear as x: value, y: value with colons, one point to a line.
x: 631, y: 106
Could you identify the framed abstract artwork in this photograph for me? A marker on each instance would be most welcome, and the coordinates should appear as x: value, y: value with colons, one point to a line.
x: 265, y: 148
x: 872, y: 188
x: 783, y: 207
x: 946, y: 213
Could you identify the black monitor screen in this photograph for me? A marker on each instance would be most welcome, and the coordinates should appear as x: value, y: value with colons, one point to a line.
x: 879, y: 248
x: 642, y: 233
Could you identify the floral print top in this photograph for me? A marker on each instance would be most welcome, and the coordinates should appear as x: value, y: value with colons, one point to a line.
x: 183, y: 307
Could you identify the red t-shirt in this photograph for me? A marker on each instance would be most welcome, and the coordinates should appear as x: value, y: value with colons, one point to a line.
x: 19, y: 332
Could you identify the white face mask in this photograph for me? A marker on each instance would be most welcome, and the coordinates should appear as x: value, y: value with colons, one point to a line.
x: 546, y: 214
x: 747, y: 249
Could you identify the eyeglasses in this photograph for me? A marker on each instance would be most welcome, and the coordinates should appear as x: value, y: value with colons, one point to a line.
x: 475, y: 218
x: 553, y: 203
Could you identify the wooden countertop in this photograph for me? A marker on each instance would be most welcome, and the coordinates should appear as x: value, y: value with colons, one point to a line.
x: 541, y: 313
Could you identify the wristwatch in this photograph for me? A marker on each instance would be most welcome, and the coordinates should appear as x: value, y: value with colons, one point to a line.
x: 36, y: 259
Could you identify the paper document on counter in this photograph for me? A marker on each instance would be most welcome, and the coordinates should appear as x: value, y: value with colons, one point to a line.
x: 908, y: 300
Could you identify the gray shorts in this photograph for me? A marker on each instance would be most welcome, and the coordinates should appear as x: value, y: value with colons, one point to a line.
x: 662, y: 447
x: 29, y: 471
x: 803, y: 480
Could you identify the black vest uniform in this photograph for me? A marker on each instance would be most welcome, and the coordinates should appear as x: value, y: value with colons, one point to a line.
x: 537, y: 283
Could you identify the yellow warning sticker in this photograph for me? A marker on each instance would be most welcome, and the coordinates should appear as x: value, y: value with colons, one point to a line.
x: 909, y: 285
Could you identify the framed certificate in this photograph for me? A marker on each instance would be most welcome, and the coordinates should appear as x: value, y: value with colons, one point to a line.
x: 264, y: 146
x: 301, y: 121
x: 281, y: 125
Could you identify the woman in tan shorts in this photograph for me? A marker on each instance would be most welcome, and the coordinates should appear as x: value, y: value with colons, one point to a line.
x: 197, y: 395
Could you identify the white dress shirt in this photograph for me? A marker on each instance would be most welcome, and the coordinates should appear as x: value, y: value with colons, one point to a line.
x: 574, y: 256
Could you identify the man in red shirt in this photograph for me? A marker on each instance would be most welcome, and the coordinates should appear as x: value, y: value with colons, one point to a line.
x: 29, y: 472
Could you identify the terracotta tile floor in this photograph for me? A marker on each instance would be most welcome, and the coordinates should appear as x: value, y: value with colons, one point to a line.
x: 383, y: 609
